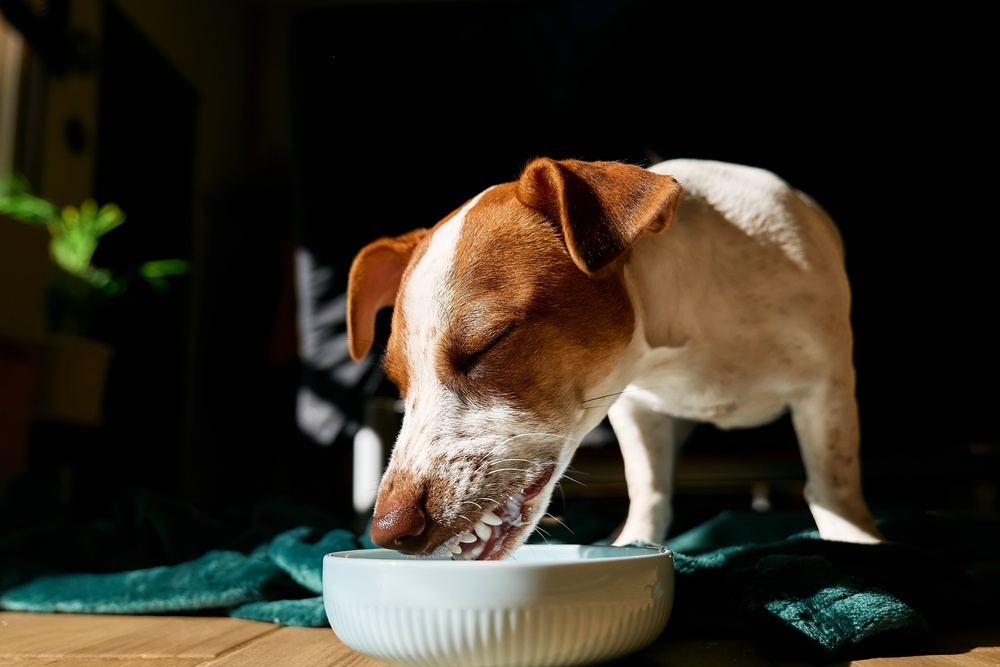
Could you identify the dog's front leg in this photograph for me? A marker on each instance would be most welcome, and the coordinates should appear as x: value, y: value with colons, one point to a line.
x: 826, y: 424
x: 649, y: 441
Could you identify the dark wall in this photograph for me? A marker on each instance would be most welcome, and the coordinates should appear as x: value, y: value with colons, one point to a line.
x: 404, y: 111
x: 401, y: 112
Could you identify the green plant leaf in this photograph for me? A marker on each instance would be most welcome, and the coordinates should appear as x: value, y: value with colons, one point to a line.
x: 17, y: 202
x: 70, y: 216
x: 108, y: 217
x: 73, y: 250
x: 88, y: 213
x: 162, y: 268
x: 155, y: 272
x: 74, y: 234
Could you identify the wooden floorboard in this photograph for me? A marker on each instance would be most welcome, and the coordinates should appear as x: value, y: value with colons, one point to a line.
x: 101, y: 662
x: 97, y: 636
x: 80, y: 640
x: 295, y: 647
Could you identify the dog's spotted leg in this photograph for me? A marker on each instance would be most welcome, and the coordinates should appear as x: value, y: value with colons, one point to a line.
x: 826, y: 423
x: 649, y: 443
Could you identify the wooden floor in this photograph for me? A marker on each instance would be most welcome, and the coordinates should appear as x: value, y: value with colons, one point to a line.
x: 34, y: 640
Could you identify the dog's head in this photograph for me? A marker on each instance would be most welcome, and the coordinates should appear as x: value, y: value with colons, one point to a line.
x: 510, y: 318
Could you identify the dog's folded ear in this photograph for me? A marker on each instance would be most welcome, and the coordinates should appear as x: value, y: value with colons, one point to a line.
x: 600, y: 207
x: 373, y: 283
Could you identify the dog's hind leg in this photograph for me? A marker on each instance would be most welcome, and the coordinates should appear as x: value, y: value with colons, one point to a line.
x: 826, y: 424
x: 649, y: 442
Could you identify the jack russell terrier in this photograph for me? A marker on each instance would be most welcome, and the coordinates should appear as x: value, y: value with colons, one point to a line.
x: 691, y: 291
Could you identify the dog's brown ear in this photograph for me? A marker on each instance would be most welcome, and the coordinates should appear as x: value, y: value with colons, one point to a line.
x: 373, y: 283
x: 601, y: 207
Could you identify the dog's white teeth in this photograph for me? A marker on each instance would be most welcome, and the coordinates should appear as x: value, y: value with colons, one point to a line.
x: 482, y: 530
x: 491, y: 519
x: 467, y: 537
x: 472, y: 554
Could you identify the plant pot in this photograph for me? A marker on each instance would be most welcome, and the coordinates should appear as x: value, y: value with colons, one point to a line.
x: 72, y: 374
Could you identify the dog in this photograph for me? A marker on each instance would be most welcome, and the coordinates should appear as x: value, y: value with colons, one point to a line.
x: 689, y: 291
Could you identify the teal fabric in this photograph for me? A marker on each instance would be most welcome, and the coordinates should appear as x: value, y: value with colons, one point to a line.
x: 307, y: 612
x: 217, y: 580
x: 767, y: 577
x: 802, y: 598
x: 150, y: 554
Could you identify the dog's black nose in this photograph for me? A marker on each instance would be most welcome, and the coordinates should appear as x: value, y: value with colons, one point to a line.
x: 400, y: 528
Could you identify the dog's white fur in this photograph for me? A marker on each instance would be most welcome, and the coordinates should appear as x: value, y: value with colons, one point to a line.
x: 693, y: 291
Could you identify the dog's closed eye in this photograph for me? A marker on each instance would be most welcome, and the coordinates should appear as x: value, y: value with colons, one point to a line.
x: 468, y: 363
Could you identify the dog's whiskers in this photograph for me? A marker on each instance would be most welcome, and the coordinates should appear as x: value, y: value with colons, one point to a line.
x: 544, y: 534
x: 559, y: 521
x: 486, y: 502
x: 485, y: 460
x: 614, y: 395
x: 493, y: 472
x: 571, y: 470
x: 571, y: 479
x: 486, y: 464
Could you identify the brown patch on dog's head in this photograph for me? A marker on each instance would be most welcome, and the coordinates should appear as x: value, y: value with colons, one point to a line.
x: 539, y: 306
x: 527, y: 326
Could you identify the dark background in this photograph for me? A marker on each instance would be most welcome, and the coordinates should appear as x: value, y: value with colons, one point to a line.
x: 400, y: 112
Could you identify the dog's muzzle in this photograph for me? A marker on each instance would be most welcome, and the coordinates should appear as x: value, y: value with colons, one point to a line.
x: 409, y: 528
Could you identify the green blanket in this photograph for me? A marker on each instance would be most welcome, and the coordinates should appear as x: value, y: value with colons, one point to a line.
x: 798, y: 597
x: 762, y: 577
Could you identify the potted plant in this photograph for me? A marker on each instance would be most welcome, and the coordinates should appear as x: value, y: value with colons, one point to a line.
x: 74, y: 363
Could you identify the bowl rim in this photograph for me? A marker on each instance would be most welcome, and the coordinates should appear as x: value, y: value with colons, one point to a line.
x: 629, y: 552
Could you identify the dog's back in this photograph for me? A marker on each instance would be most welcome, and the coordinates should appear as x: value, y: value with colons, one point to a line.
x: 746, y: 293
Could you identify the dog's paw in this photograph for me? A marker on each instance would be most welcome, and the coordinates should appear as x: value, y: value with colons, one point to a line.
x: 859, y: 530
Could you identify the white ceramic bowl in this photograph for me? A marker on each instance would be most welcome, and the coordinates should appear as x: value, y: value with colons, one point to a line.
x: 545, y: 605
